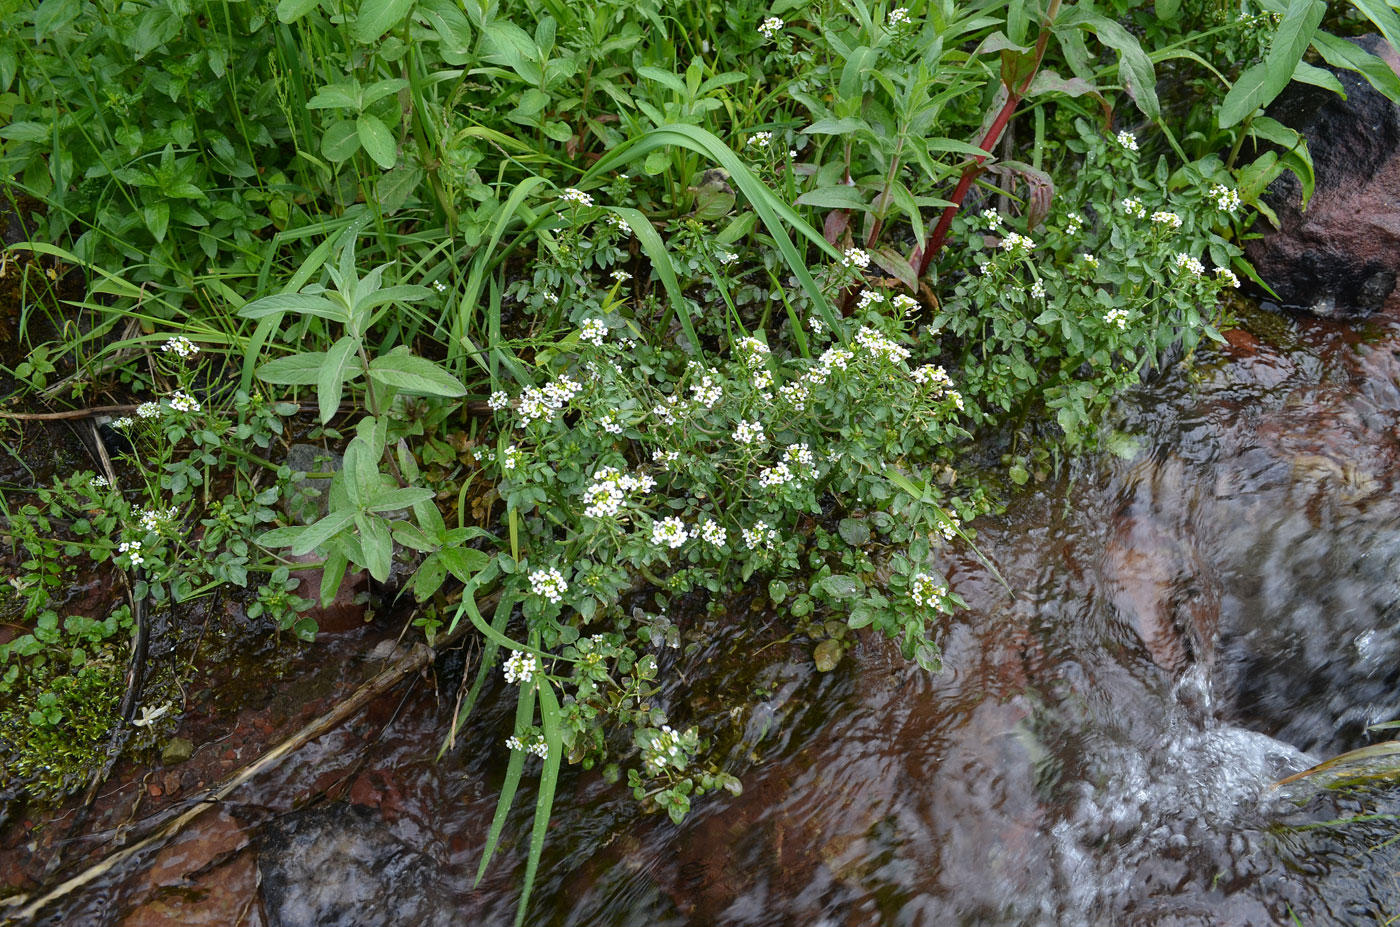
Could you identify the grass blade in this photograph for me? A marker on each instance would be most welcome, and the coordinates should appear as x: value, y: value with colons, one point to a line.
x: 544, y: 801
x: 524, y: 714
x: 660, y: 260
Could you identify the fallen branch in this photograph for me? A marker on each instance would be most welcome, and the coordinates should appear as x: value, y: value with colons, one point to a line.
x: 418, y: 658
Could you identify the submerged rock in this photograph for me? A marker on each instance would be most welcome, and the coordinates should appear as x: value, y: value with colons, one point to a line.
x: 1341, y: 258
x: 339, y: 866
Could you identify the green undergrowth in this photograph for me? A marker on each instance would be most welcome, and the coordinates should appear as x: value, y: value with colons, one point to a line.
x: 602, y: 303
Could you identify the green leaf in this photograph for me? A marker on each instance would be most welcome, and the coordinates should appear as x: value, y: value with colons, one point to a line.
x: 1385, y: 18
x: 336, y: 96
x: 53, y: 15
x: 381, y: 89
x: 304, y: 303
x: 416, y: 375
x: 330, y: 382
x: 341, y: 140
x: 1134, y: 67
x: 837, y: 197
x: 378, y: 141
x: 1343, y: 54
x: 157, y: 219
x: 841, y: 586
x: 332, y: 574
x: 289, y: 11
x: 524, y: 715
x: 378, y: 17
x: 376, y: 544
x: 322, y: 531
x: 1260, y: 84
x: 464, y: 562
x: 1306, y: 73
x: 294, y: 370
x: 660, y: 259
x: 361, y: 468
x: 393, y: 500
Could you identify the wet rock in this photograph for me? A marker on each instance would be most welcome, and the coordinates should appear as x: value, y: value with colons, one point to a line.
x: 339, y: 866
x: 176, y: 750
x: 1341, y: 258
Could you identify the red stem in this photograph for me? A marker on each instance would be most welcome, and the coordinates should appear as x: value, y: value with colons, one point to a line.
x: 1014, y: 98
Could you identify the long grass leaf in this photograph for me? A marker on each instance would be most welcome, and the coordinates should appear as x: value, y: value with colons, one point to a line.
x: 544, y: 801
x: 524, y: 715
x: 770, y: 208
x: 488, y: 660
x: 660, y: 260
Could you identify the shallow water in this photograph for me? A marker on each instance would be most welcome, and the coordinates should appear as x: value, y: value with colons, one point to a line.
x: 1186, y: 626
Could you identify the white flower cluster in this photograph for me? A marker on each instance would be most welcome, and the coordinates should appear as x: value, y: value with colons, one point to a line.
x: 795, y: 395
x: 727, y: 257
x: 939, y: 383
x: 831, y: 360
x: 152, y: 519
x: 711, y: 531
x: 148, y: 410
x: 778, y: 475
x: 899, y: 16
x: 550, y: 584
x: 180, y: 346
x: 511, y: 458
x: 665, y: 411
x: 1089, y: 261
x: 1167, y: 218
x: 594, y: 331
x: 1073, y: 222
x: 498, y: 401
x: 925, y: 590
x: 1038, y: 290
x: 869, y: 298
x: 610, y: 424
x: 747, y: 432
x: 439, y: 286
x: 664, y: 750
x: 669, y: 532
x: 949, y: 528
x: 621, y: 276
x: 545, y: 403
x: 761, y: 140
x: 1118, y: 317
x: 123, y: 423
x: 608, y: 493
x: 1184, y: 261
x: 100, y: 482
x: 1133, y: 207
x: 855, y: 257
x: 1128, y: 140
x: 132, y: 549
x: 1227, y: 276
x: 617, y: 222
x: 706, y: 390
x: 905, y: 303
x: 538, y: 746
x: 181, y: 401
x: 801, y: 455
x: 761, y: 535
x: 663, y: 458
x: 521, y: 667
x: 880, y: 345
x: 1225, y: 198
x: 1016, y: 241
x: 992, y: 218
x: 576, y: 196
x: 770, y: 27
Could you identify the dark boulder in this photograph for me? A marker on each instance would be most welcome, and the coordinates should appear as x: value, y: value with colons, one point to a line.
x: 1341, y: 258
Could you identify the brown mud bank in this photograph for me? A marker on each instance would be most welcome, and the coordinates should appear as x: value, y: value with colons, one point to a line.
x: 1185, y: 624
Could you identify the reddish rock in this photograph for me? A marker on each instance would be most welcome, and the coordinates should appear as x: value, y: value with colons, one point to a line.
x: 1341, y: 258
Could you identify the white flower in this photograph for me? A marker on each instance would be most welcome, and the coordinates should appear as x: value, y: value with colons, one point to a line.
x: 881, y: 346
x: 760, y: 535
x: 610, y: 424
x: 1128, y: 141
x: 132, y: 549
x: 905, y: 303
x: 1072, y: 223
x: 1118, y: 317
x: 712, y: 532
x: 770, y: 27
x: 775, y: 476
x: 498, y: 401
x: 669, y: 532
x: 747, y: 432
x: 594, y: 331
x: 1225, y: 198
x: 727, y: 257
x: 621, y: 276
x: 1184, y: 261
x: 1226, y: 275
x: 795, y: 395
x: 550, y: 297
x: 1133, y: 207
x: 540, y: 747
x: 1090, y: 261
x: 604, y: 499
x: 550, y: 584
x: 664, y: 458
x: 152, y: 519
x: 124, y: 422
x: 869, y: 298
x: 578, y: 197
x: 855, y: 257
x: 439, y: 286
x: 800, y: 454
x: 755, y: 352
x: 760, y: 140
x: 815, y: 324
x: 521, y: 667
x: 932, y: 375
x: 618, y: 223
x: 1037, y: 289
x: 899, y: 16
x: 181, y: 346
x: 1016, y: 241
x: 925, y: 590
x: 148, y: 410
x: 762, y: 379
x: 511, y: 459
x: 1167, y: 218
x: 181, y: 401
x: 100, y: 482
x: 992, y: 217
x: 513, y: 743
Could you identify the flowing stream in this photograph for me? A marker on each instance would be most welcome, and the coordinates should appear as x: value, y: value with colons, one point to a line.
x: 1210, y: 611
